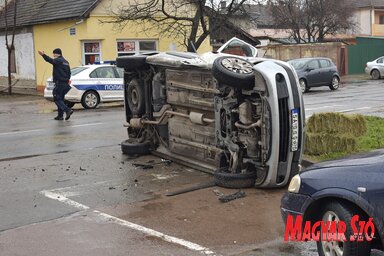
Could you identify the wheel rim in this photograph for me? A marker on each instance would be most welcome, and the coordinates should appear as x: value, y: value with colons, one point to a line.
x: 335, y: 83
x: 302, y: 85
x: 134, y: 97
x: 91, y: 100
x: 238, y: 66
x: 375, y: 74
x: 332, y: 248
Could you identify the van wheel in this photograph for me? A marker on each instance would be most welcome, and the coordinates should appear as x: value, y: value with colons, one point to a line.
x: 90, y: 100
x: 226, y: 179
x: 131, y: 148
x: 234, y: 72
x: 135, y: 97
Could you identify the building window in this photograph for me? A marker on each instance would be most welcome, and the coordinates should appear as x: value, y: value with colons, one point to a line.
x: 91, y: 52
x: 381, y: 19
x: 130, y: 47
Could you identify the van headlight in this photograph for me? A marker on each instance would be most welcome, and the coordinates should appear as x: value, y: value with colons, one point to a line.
x: 294, y: 185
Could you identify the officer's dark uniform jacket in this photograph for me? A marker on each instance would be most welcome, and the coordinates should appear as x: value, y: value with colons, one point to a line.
x: 61, y: 70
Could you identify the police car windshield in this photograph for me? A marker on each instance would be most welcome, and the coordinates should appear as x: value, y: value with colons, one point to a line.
x: 77, y: 70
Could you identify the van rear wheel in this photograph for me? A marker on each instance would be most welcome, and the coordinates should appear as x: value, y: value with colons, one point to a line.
x: 226, y: 179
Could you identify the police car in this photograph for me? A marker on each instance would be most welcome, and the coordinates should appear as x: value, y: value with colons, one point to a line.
x: 92, y: 84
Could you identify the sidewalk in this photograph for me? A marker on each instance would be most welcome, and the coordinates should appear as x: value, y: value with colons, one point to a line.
x: 27, y: 87
x: 355, y: 78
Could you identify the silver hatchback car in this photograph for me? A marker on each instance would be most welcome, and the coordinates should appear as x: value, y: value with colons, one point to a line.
x: 375, y: 68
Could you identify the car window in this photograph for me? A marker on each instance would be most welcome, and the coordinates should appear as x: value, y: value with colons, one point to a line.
x: 77, y: 70
x: 103, y: 72
x: 120, y: 72
x: 298, y: 64
x: 237, y: 47
x: 325, y: 63
x: 314, y: 64
x: 380, y: 60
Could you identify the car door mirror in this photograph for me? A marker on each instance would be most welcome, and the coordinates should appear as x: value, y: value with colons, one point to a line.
x: 308, y: 69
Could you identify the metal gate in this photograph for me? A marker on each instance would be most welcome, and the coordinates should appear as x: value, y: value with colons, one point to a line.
x: 366, y: 49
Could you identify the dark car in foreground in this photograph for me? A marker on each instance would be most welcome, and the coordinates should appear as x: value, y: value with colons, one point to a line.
x: 338, y: 191
x: 238, y: 117
x: 315, y: 72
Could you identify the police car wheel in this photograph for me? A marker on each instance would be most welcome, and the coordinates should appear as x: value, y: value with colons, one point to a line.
x: 226, y: 179
x: 136, y: 97
x: 234, y: 72
x: 90, y: 100
x: 135, y: 149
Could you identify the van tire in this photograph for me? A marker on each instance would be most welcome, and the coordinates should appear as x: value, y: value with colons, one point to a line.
x: 225, y: 179
x: 131, y: 148
x: 234, y: 72
x: 136, y: 97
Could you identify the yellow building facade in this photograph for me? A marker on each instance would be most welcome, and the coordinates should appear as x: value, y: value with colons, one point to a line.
x: 90, y: 41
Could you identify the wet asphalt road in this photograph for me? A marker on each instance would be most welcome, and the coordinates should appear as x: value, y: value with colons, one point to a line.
x: 27, y: 128
x: 68, y: 190
x: 360, y: 97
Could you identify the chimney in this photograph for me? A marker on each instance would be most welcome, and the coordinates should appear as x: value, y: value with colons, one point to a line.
x: 223, y: 5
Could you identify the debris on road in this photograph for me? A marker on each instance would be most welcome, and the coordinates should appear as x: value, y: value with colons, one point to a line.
x: 226, y: 198
x: 192, y: 188
x: 150, y: 164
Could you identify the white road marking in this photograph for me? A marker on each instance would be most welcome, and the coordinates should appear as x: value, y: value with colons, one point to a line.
x: 82, y: 125
x: 65, y: 200
x: 353, y: 109
x: 331, y: 106
x: 109, y: 218
x: 18, y: 132
x: 151, y: 232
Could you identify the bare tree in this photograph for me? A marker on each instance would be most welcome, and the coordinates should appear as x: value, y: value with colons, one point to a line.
x: 288, y: 14
x: 188, y: 19
x: 312, y: 20
x: 10, y: 46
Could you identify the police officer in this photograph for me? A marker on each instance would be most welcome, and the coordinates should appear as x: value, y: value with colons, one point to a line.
x: 61, y: 75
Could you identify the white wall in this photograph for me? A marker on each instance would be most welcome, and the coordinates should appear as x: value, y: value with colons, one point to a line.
x: 25, y: 64
x: 364, y: 22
